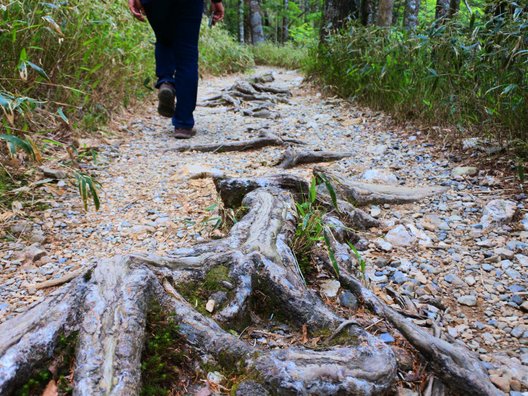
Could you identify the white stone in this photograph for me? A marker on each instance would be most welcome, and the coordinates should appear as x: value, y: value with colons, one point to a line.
x: 464, y: 171
x: 524, y: 222
x: 400, y: 236
x: 330, y: 287
x: 498, y: 211
x: 468, y: 300
x: 379, y: 176
x: 210, y: 306
x: 383, y: 245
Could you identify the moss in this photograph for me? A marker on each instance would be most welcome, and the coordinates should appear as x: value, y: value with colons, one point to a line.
x: 63, y: 358
x: 213, y: 279
x: 166, y: 355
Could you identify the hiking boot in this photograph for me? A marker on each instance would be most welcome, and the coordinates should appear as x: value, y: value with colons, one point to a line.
x: 166, y: 96
x: 184, y: 133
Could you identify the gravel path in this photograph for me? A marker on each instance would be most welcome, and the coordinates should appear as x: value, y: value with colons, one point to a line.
x: 455, y: 247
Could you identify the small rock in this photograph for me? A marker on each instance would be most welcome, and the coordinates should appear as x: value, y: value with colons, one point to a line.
x: 252, y: 388
x: 375, y: 211
x: 468, y: 300
x: 210, y: 306
x: 20, y: 227
x: 399, y: 277
x: 470, y: 280
x: 399, y: 236
x: 455, y: 280
x: 219, y: 297
x: 53, y: 173
x: 349, y: 300
x: 34, y: 252
x: 383, y: 245
x: 386, y: 338
x: 464, y: 171
x: 379, y: 176
x: 524, y: 306
x: 330, y: 287
x: 498, y: 211
x: 215, y: 377
x: 433, y: 223
x: 501, y: 382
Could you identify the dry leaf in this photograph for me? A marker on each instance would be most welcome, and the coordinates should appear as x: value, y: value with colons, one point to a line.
x: 51, y: 389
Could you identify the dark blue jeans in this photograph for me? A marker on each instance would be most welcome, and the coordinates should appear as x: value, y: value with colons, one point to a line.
x: 176, y: 24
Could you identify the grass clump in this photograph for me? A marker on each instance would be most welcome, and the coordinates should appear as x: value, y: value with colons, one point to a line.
x: 287, y: 55
x: 473, y: 75
x: 221, y: 54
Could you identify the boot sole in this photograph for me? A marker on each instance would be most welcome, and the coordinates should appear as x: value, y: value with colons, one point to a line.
x: 166, y: 103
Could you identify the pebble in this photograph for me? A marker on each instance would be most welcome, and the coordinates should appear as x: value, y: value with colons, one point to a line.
x: 498, y: 211
x: 348, y: 299
x: 330, y: 287
x: 386, y: 338
x: 399, y: 236
x: 468, y: 300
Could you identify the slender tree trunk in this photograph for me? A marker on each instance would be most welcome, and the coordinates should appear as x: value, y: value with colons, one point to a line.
x: 442, y: 7
x: 255, y: 20
x: 365, y: 11
x: 384, y: 18
x: 241, y: 21
x: 454, y: 7
x: 285, y: 22
x: 336, y: 13
x: 410, y: 18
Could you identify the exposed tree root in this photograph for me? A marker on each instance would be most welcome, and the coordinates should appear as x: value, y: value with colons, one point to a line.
x: 361, y: 194
x: 263, y: 140
x: 292, y: 158
x: 108, y: 308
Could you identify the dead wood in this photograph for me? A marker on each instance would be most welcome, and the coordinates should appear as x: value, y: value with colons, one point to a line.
x: 292, y: 158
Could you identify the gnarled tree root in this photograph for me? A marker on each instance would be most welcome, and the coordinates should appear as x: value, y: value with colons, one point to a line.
x: 292, y: 158
x: 108, y: 309
x: 263, y: 140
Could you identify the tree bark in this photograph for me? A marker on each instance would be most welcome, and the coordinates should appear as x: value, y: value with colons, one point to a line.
x: 336, y: 13
x: 384, y: 18
x: 255, y: 20
x: 366, y: 12
x: 410, y: 17
x: 454, y: 7
x: 285, y: 21
x: 241, y: 21
x: 441, y: 9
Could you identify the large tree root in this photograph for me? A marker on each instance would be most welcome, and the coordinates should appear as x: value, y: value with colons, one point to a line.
x: 263, y: 140
x: 108, y: 307
x: 292, y: 158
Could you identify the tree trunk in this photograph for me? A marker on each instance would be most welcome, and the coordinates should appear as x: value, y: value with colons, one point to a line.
x: 336, y: 13
x: 454, y: 7
x: 241, y: 21
x: 410, y: 18
x: 385, y: 13
x: 255, y: 20
x: 365, y: 12
x: 441, y: 10
x: 285, y: 22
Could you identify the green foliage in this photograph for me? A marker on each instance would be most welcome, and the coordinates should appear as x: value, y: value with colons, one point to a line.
x: 164, y: 356
x: 472, y: 74
x: 221, y: 54
x: 361, y: 261
x: 27, y: 145
x: 73, y: 59
x: 87, y: 188
x: 286, y: 55
x: 312, y: 230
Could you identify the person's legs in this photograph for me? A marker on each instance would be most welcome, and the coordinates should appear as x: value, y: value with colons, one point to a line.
x: 188, y: 16
x: 160, y: 14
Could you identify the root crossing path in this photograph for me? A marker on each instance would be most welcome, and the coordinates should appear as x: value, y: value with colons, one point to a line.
x: 414, y: 283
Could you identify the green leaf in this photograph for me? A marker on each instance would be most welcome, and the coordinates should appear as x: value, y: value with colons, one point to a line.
x: 61, y: 114
x: 38, y: 69
x: 87, y: 188
x: 313, y: 190
x: 15, y: 142
x: 331, y: 191
x: 331, y: 253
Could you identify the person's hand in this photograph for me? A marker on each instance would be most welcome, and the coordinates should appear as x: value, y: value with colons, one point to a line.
x: 137, y: 9
x: 218, y: 11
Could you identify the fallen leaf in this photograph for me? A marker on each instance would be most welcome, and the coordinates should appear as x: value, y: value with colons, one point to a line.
x: 51, y: 389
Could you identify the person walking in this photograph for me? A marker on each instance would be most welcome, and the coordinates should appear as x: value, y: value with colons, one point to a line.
x: 176, y: 25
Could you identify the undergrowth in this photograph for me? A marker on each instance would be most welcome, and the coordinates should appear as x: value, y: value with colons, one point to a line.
x: 288, y: 55
x: 473, y: 74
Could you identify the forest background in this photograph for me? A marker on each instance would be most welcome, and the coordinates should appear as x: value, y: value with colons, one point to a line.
x: 67, y: 66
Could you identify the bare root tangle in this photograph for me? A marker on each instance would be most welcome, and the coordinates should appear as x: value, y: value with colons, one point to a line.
x: 261, y: 141
x: 361, y: 194
x: 109, y: 310
x: 292, y: 158
x: 458, y: 367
